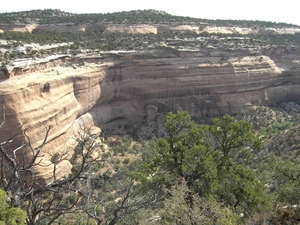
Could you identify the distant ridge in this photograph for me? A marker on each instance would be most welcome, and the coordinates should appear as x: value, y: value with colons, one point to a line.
x: 151, y: 16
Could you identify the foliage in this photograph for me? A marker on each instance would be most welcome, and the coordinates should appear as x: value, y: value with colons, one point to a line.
x: 275, y: 127
x: 212, y: 160
x: 205, y: 211
x: 87, y: 195
x: 286, y: 177
x: 285, y: 215
x: 10, y: 215
x: 96, y: 40
x: 55, y: 16
x: 196, y: 174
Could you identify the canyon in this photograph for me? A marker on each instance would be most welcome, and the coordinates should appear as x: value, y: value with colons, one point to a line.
x: 122, y: 91
x: 84, y: 101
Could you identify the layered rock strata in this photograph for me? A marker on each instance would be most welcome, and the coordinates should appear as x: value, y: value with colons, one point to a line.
x: 141, y: 28
x: 49, y: 98
x: 205, y: 83
x: 121, y: 90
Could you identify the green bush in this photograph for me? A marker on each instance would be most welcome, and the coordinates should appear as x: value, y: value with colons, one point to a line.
x: 10, y: 215
x: 126, y: 161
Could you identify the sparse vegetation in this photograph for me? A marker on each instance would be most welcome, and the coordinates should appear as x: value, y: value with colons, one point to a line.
x: 242, y: 170
x: 137, y: 169
x: 96, y: 40
x: 55, y: 16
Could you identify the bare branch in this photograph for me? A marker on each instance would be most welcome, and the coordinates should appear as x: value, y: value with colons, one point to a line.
x: 3, y: 113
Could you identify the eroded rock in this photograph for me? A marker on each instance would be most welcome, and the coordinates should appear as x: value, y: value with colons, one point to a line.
x: 121, y: 91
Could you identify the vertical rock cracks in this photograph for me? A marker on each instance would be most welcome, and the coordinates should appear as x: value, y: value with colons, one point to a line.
x: 121, y: 91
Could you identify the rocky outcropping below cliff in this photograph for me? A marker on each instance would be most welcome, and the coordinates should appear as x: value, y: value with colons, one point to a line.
x: 142, y: 28
x: 124, y: 91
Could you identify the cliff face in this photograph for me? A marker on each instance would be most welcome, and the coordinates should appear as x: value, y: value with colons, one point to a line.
x: 52, y: 97
x: 122, y: 90
x: 205, y: 83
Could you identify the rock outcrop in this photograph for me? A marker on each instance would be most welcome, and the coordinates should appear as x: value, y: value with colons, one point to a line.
x: 122, y: 90
x: 51, y: 97
x: 205, y: 83
x: 142, y: 28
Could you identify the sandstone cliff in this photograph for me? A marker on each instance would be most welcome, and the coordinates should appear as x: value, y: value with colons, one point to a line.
x: 205, y: 83
x: 142, y: 28
x: 50, y: 97
x: 122, y: 90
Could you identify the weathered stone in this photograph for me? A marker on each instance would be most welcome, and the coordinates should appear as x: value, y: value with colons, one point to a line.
x: 141, y: 28
x: 118, y: 90
x: 44, y: 98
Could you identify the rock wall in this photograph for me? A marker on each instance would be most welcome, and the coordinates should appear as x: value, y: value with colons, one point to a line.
x: 52, y: 97
x: 121, y: 90
x: 204, y: 83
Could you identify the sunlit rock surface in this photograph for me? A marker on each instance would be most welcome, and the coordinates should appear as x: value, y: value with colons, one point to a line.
x: 125, y: 90
x: 52, y: 97
x: 141, y: 28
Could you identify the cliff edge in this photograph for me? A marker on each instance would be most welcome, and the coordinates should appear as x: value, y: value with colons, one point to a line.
x: 120, y: 90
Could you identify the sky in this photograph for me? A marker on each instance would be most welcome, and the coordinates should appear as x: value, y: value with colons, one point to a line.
x: 267, y: 10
